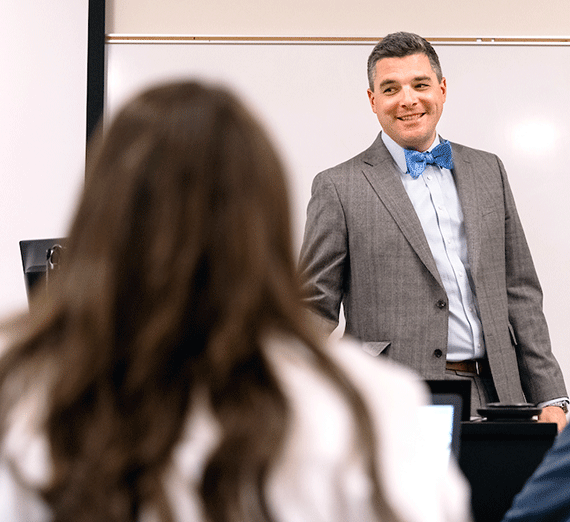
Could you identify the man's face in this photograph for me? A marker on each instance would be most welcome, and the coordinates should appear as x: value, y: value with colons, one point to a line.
x: 408, y: 100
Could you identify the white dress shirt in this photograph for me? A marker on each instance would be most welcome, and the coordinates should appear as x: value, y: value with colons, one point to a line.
x: 434, y: 197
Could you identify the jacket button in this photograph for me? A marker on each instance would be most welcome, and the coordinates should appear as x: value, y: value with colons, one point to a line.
x: 437, y: 353
x: 441, y: 304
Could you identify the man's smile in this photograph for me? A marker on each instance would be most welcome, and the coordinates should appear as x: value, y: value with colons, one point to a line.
x: 411, y: 117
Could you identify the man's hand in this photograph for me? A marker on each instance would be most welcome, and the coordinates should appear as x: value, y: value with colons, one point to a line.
x: 553, y: 414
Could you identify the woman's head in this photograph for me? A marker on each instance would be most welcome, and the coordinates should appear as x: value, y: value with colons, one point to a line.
x: 184, y: 219
x: 178, y: 263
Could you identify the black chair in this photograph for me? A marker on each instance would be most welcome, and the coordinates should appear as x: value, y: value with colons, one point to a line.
x: 39, y: 258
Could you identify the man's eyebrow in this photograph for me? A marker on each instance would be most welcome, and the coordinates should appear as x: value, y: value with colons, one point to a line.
x: 389, y: 81
x: 422, y: 78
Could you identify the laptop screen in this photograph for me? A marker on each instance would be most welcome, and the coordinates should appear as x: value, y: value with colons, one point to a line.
x: 444, y: 416
x: 461, y: 387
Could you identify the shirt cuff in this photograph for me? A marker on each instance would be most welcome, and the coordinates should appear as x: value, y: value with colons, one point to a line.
x: 553, y: 401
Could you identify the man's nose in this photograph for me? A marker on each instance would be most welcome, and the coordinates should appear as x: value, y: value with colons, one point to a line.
x: 409, y: 97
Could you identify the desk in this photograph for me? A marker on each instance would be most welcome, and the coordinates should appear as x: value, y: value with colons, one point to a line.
x: 497, y: 458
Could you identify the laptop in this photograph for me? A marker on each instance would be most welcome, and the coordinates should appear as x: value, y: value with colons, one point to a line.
x: 450, y: 405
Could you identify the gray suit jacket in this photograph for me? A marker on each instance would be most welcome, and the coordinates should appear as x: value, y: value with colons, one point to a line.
x: 364, y: 246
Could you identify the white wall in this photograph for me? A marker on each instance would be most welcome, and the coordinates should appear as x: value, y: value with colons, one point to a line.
x: 368, y: 18
x: 43, y: 59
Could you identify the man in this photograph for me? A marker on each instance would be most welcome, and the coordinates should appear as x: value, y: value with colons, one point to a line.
x: 432, y: 266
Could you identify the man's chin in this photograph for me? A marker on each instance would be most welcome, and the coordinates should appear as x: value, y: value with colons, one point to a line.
x: 416, y: 141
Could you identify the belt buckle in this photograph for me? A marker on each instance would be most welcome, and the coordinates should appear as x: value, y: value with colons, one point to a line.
x: 477, y: 367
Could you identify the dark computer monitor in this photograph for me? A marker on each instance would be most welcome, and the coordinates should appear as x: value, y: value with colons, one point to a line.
x: 459, y: 387
x: 39, y: 257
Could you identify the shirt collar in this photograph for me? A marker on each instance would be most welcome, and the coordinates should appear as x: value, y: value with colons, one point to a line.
x: 397, y: 152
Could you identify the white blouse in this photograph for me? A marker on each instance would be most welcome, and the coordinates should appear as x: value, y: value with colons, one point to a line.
x: 319, y: 476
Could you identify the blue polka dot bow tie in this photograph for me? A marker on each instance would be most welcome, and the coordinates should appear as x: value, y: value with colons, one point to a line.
x: 417, y: 161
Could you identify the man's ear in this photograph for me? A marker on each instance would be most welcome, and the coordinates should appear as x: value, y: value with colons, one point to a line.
x: 372, y: 99
x: 443, y: 87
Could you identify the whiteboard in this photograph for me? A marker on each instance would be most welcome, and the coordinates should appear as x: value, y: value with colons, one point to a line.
x: 508, y: 99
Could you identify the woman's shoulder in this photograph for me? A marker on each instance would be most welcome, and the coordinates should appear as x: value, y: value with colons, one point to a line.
x: 323, y: 429
x: 377, y: 371
x: 24, y: 462
x: 377, y: 379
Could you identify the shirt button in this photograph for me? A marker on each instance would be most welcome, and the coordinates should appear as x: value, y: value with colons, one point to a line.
x: 441, y: 304
x: 437, y: 353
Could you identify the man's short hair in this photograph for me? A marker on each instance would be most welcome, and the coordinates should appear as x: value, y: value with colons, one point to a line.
x: 399, y: 45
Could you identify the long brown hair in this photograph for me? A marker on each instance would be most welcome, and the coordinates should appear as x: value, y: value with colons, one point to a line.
x: 178, y: 262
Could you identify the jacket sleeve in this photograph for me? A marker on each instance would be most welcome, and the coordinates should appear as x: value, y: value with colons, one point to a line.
x: 324, y: 253
x: 540, y: 373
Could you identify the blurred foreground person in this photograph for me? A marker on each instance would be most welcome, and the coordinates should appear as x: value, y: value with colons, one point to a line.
x: 545, y: 496
x: 171, y: 374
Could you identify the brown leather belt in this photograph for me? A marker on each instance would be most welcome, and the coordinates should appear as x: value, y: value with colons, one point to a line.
x: 476, y: 367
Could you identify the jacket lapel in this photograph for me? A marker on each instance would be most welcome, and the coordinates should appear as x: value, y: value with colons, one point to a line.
x: 466, y: 183
x: 384, y: 177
